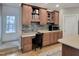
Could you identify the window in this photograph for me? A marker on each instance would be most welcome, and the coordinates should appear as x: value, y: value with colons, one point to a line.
x: 10, y: 24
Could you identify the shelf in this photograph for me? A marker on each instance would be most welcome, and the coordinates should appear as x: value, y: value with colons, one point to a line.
x: 35, y: 21
x: 49, y: 22
x: 35, y: 14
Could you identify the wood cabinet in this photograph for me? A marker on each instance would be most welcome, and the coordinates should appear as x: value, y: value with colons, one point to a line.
x: 55, y: 17
x: 26, y: 14
x: 26, y: 44
x: 69, y: 51
x: 60, y: 34
x: 51, y: 37
x: 46, y: 38
x: 54, y: 36
x: 34, y: 14
x: 43, y: 16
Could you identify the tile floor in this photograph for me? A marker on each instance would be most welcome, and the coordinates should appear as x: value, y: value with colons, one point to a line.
x: 52, y: 50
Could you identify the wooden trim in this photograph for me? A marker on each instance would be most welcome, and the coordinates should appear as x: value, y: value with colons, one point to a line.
x: 35, y: 21
x: 55, y: 11
x: 33, y: 6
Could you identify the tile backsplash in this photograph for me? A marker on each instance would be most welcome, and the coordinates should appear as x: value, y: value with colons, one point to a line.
x: 34, y: 27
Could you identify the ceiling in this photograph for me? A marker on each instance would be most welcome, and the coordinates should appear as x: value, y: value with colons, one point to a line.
x: 52, y: 6
x: 49, y: 6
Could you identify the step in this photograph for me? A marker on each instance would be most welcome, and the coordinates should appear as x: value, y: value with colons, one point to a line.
x: 9, y: 47
x: 8, y: 51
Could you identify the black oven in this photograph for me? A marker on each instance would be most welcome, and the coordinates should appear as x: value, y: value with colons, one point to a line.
x: 53, y: 26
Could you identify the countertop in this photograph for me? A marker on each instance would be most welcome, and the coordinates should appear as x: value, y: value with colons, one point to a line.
x: 72, y: 41
x: 28, y: 34
x: 34, y: 33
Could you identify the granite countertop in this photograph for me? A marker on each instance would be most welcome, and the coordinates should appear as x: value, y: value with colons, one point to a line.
x: 45, y: 31
x: 33, y: 33
x: 72, y: 41
x: 28, y: 34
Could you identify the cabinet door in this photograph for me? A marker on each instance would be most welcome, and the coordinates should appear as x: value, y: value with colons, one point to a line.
x: 56, y: 18
x: 46, y: 39
x: 60, y: 34
x: 26, y: 44
x: 56, y: 37
x: 27, y: 48
x: 43, y: 16
x: 52, y: 37
x: 52, y: 17
x: 26, y: 40
x: 26, y: 14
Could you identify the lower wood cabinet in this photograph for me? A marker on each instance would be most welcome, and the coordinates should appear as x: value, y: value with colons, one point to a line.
x: 69, y: 51
x: 46, y: 40
x: 26, y: 44
x: 54, y: 36
x: 51, y: 37
x: 60, y: 34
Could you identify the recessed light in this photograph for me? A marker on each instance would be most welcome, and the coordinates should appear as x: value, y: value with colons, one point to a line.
x: 57, y: 5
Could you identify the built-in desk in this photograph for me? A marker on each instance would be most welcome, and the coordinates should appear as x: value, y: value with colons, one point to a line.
x: 70, y: 46
x: 41, y: 31
x: 49, y: 37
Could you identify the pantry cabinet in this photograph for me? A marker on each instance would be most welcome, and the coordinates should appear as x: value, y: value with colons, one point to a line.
x: 26, y: 44
x: 43, y: 16
x: 26, y: 14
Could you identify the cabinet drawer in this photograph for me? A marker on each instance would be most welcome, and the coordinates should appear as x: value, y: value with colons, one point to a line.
x: 46, y: 36
x: 45, y: 40
x: 46, y: 43
x: 27, y: 40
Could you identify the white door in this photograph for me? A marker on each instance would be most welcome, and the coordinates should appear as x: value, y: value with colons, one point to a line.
x: 70, y: 25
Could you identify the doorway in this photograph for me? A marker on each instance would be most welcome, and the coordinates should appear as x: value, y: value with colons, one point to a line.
x: 70, y: 25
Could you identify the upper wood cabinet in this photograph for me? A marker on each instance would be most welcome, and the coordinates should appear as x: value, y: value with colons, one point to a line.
x: 43, y: 16
x: 26, y: 14
x: 55, y: 17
